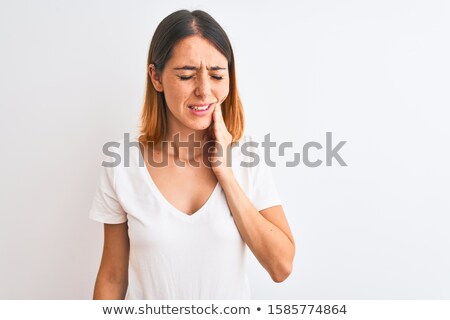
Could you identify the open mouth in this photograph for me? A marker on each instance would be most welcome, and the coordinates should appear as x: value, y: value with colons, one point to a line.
x: 201, y: 107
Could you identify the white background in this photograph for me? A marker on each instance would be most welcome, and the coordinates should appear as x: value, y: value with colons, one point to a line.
x: 374, y: 73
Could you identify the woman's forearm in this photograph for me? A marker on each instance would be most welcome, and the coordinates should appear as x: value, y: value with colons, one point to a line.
x: 270, y: 245
x: 109, y: 290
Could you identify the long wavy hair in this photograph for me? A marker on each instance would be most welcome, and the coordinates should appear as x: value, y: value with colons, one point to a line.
x: 170, y: 31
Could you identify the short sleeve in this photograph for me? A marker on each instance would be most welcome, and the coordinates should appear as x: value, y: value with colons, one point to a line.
x: 264, y: 193
x: 106, y: 207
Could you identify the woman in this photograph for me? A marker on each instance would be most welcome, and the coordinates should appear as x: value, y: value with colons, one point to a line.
x: 177, y: 227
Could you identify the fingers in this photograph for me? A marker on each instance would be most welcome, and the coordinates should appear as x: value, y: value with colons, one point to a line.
x: 217, y: 114
x: 217, y: 117
x: 220, y: 130
x: 211, y: 130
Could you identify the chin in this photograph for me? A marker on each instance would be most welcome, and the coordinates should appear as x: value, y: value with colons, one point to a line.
x: 203, y: 126
x: 200, y: 124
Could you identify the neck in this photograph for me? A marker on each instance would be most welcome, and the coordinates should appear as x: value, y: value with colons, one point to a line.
x: 187, y: 145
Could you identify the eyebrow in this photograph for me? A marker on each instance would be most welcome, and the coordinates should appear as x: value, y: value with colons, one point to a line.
x: 196, y: 68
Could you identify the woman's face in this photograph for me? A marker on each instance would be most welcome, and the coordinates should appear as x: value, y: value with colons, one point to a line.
x: 195, y: 75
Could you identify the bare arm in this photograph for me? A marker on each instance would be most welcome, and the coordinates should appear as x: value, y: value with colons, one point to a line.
x: 112, y: 277
x: 266, y: 233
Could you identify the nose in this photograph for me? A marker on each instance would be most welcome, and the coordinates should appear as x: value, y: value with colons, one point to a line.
x: 203, y: 86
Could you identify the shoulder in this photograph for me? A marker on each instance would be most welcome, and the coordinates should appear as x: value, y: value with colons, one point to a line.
x: 248, y: 151
x: 249, y: 137
x: 249, y: 142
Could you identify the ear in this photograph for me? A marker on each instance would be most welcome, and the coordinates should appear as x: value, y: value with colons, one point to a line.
x: 155, y: 76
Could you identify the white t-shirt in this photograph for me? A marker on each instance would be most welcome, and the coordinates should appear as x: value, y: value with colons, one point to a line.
x: 174, y: 255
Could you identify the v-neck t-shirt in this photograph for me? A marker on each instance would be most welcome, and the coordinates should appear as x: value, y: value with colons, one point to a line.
x: 174, y: 255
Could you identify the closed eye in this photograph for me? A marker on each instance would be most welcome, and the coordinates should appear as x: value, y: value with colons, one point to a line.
x: 184, y: 78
